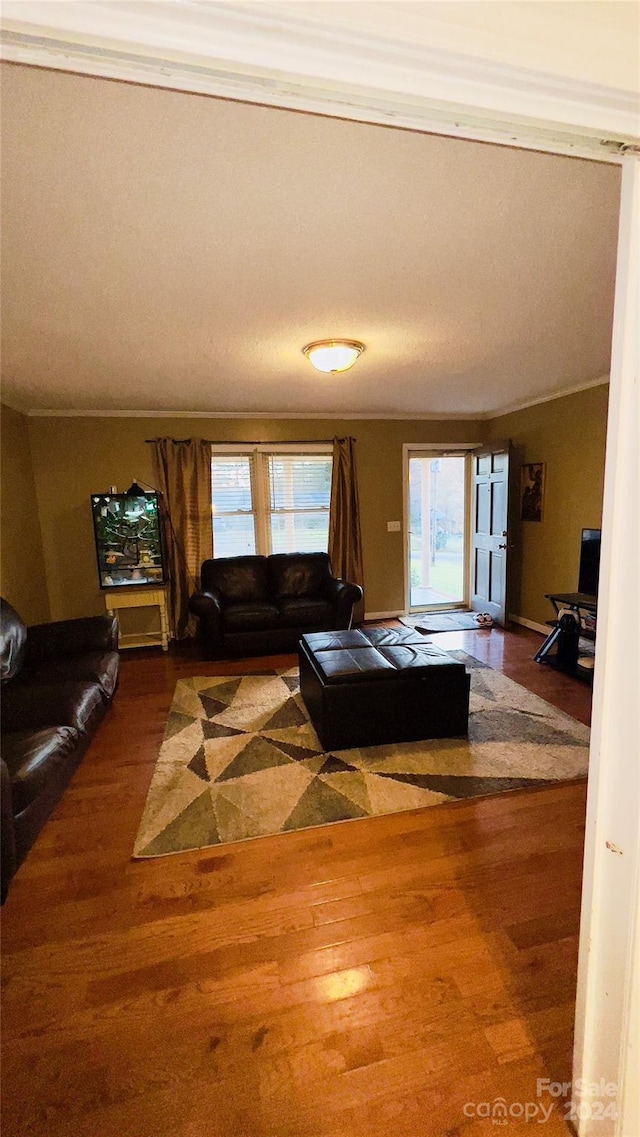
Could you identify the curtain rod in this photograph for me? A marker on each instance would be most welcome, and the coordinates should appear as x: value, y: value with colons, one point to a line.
x: 246, y: 442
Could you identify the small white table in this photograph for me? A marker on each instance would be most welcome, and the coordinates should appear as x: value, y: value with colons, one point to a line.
x: 126, y: 597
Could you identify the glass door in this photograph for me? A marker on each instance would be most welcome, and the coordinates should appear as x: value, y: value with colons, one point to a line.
x: 437, y: 531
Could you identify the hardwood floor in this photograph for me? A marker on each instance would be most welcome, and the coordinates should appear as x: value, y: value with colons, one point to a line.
x: 365, y: 978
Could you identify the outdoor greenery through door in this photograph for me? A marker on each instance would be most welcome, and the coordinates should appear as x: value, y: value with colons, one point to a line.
x: 437, y: 511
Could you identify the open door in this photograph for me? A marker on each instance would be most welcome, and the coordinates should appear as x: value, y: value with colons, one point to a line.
x: 489, y: 537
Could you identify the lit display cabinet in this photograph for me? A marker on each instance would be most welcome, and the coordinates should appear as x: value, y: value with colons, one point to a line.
x: 128, y: 538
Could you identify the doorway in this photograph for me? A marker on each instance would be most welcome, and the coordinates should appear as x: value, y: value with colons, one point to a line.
x: 437, y: 513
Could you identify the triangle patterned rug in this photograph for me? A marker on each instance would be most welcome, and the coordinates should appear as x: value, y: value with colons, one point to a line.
x: 240, y: 759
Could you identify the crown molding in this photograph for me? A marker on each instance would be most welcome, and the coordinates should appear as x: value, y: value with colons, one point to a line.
x: 522, y: 405
x: 344, y: 416
x: 241, y: 53
x: 303, y: 416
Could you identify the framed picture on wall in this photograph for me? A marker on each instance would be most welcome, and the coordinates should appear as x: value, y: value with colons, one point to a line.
x: 532, y: 491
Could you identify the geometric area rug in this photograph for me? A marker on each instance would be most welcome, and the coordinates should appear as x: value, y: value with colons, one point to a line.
x: 240, y: 759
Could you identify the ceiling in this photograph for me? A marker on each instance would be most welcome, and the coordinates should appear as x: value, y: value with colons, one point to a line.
x: 595, y: 41
x: 165, y: 251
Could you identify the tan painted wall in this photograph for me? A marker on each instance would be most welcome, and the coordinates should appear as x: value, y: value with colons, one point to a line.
x: 74, y: 457
x: 22, y: 571
x: 569, y: 435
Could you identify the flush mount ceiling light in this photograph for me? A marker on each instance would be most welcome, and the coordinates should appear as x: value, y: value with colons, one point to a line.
x: 333, y: 355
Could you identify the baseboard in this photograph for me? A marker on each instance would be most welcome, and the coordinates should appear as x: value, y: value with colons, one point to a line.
x: 384, y: 615
x: 543, y: 628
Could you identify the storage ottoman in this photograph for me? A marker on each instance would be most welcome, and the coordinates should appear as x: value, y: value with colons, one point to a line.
x: 366, y: 688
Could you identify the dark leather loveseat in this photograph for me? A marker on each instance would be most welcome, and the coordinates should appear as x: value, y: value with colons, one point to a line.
x: 260, y: 605
x: 58, y: 681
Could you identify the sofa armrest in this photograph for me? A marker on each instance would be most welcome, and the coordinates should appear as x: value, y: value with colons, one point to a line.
x: 74, y: 703
x: 343, y: 595
x: 71, y: 637
x: 7, y: 831
x: 207, y: 606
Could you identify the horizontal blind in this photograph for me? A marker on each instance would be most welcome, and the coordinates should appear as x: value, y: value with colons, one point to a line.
x: 299, y: 482
x: 231, y: 478
x: 270, y: 501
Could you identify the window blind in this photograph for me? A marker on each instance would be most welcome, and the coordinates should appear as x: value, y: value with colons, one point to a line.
x: 233, y: 506
x: 231, y: 483
x: 299, y: 481
x: 270, y: 501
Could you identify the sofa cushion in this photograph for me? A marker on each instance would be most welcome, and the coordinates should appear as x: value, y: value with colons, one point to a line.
x: 299, y: 574
x: 80, y: 705
x: 94, y: 667
x: 250, y: 616
x: 34, y: 758
x: 237, y: 578
x: 13, y: 641
x: 305, y: 612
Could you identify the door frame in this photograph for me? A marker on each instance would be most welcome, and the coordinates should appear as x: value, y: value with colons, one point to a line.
x: 437, y: 448
x: 560, y: 116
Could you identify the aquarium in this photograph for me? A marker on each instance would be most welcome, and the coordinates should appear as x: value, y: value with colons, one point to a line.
x: 128, y: 538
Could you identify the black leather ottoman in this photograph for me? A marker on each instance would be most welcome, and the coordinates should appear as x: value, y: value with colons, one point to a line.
x: 369, y: 687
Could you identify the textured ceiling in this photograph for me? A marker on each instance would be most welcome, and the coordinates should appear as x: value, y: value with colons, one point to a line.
x: 166, y: 251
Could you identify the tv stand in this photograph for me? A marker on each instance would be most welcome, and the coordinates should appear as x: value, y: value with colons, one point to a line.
x: 582, y: 605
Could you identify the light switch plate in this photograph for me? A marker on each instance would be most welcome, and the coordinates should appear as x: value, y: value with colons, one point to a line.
x: 393, y: 526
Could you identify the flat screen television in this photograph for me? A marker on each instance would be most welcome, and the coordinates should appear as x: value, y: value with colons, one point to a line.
x: 589, y: 562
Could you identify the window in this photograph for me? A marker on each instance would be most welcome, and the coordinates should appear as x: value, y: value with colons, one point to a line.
x: 234, y: 529
x: 268, y: 500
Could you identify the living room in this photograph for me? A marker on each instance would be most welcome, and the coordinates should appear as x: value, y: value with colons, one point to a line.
x: 80, y: 408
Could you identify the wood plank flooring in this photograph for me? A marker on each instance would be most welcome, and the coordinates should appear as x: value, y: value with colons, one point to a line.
x: 366, y: 978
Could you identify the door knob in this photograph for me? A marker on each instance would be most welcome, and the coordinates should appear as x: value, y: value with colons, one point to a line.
x: 503, y: 546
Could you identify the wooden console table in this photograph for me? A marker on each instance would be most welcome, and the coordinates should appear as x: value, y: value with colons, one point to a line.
x: 141, y: 598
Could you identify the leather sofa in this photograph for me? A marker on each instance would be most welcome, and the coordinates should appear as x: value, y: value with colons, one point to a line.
x: 262, y: 605
x: 58, y: 681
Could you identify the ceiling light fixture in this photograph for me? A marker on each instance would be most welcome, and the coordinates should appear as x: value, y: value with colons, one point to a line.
x: 333, y: 355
